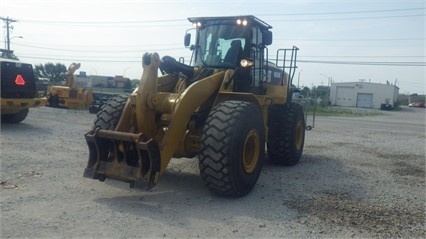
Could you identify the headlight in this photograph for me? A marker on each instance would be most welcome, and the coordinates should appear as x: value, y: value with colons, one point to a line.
x: 246, y: 63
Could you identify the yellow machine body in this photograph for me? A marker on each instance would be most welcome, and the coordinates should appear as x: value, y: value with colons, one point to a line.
x: 165, y: 116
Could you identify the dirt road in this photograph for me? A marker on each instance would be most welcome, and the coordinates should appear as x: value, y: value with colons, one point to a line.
x: 359, y: 177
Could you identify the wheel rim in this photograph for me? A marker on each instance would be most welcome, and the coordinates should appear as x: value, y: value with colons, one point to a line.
x: 251, y: 151
x: 299, y: 135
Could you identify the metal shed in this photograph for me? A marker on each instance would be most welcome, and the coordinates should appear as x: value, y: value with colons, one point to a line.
x: 363, y: 94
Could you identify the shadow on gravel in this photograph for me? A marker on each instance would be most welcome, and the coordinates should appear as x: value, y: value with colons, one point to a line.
x: 29, y: 128
x: 180, y: 197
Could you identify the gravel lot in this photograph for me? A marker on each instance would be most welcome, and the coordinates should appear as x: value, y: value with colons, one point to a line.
x: 359, y: 177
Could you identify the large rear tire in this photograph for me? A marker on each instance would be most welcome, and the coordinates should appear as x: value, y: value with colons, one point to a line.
x: 109, y: 115
x: 286, y: 136
x: 15, y: 118
x: 232, y: 148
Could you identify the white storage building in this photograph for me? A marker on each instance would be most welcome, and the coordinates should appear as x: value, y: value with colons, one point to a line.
x: 363, y: 94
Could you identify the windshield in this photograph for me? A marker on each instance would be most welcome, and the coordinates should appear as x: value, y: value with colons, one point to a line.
x: 220, y: 46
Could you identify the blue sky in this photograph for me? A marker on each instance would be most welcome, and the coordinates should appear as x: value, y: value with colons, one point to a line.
x: 339, y: 40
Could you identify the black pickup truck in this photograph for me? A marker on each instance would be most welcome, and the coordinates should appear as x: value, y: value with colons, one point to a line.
x: 18, y: 90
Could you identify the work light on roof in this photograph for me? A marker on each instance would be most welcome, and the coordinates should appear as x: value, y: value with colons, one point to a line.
x: 242, y: 22
x: 197, y: 24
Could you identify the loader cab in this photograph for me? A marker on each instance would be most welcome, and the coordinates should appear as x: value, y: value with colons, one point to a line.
x: 223, y: 42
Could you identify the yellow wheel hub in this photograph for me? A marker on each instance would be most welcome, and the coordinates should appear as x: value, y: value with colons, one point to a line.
x: 298, y: 140
x: 251, y: 151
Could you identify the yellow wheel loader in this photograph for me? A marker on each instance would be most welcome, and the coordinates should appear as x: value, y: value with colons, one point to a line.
x: 18, y: 91
x: 68, y: 97
x: 226, y: 107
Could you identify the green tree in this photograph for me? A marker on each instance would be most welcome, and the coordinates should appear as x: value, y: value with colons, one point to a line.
x: 54, y: 72
x: 128, y: 84
x: 306, y: 92
x: 321, y: 92
x: 135, y: 83
x: 8, y: 54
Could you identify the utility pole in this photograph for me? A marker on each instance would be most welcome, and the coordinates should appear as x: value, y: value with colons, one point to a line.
x: 8, y: 27
x: 298, y: 78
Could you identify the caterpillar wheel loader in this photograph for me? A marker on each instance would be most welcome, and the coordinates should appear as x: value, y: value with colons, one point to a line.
x: 66, y: 96
x: 226, y: 107
x: 18, y: 90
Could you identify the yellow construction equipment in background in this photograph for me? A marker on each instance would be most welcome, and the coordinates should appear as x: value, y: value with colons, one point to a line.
x: 68, y: 97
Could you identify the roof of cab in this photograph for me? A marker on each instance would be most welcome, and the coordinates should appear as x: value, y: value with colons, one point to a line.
x: 217, y: 20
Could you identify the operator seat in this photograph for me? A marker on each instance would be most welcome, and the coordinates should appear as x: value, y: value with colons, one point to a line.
x: 234, y: 54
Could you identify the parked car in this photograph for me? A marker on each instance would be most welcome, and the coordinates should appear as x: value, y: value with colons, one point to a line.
x: 386, y: 106
x: 419, y: 105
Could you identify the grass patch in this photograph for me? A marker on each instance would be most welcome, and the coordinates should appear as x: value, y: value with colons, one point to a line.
x: 343, y: 112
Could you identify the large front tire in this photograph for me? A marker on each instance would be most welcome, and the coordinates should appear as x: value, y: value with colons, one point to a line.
x: 15, y: 118
x: 232, y: 148
x: 286, y: 136
x: 53, y: 101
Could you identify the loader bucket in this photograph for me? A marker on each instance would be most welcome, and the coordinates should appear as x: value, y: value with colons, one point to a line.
x: 129, y: 157
x: 140, y: 144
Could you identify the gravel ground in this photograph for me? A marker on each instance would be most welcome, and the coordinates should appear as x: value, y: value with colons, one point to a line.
x: 359, y: 177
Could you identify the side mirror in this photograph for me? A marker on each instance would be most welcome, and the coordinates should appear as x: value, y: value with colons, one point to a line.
x: 187, y: 39
x: 267, y: 38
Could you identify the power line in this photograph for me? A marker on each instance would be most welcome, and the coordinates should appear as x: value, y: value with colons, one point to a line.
x: 122, y: 24
x: 85, y: 60
x: 119, y: 25
x: 149, y: 24
x: 93, y: 51
x: 145, y: 22
x: 300, y: 57
x: 369, y: 63
x: 175, y: 44
x: 107, y: 23
x: 138, y: 56
x: 96, y: 46
x: 348, y: 18
x: 367, y: 56
x: 350, y: 12
x: 364, y: 39
x: 138, y: 49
